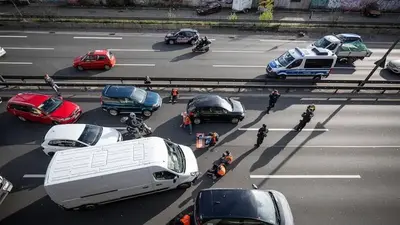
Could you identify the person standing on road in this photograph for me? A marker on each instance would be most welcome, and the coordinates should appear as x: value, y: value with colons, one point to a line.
x: 306, y: 117
x: 261, y: 134
x: 147, y: 81
x: 273, y: 98
x: 52, y: 84
x: 187, y: 122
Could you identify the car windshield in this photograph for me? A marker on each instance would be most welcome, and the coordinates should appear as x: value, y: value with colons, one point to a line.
x: 139, y: 95
x: 322, y: 43
x: 109, y: 54
x: 176, y: 158
x: 234, y: 222
x: 50, y: 105
x: 285, y: 59
x: 91, y: 134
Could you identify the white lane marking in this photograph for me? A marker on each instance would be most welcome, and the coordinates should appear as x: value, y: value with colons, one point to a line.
x: 305, y: 176
x: 16, y: 63
x: 34, y: 176
x: 383, y: 50
x: 279, y: 41
x: 146, y: 65
x: 236, y: 51
x: 7, y: 36
x: 100, y: 38
x: 281, y: 129
x: 132, y: 50
x: 212, y: 39
x: 238, y: 66
x: 22, y: 48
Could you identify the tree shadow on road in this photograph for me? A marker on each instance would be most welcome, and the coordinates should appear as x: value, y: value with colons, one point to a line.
x: 74, y: 73
x: 134, y: 211
x: 163, y: 47
x: 186, y: 56
x: 33, y: 162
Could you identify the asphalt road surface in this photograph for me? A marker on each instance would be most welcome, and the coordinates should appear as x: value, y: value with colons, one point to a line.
x: 37, y: 53
x: 342, y: 169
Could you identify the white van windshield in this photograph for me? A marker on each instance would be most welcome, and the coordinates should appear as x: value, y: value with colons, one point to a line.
x: 176, y: 158
x: 285, y: 59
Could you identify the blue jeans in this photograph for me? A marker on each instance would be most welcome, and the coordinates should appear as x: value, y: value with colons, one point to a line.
x: 190, y: 127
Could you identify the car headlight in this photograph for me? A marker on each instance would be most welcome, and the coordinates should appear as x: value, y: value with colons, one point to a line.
x: 193, y: 174
x: 155, y: 105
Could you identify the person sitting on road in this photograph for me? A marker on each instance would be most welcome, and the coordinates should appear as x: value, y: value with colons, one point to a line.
x: 211, y: 139
x: 227, y: 158
x: 218, y: 170
x: 134, y: 121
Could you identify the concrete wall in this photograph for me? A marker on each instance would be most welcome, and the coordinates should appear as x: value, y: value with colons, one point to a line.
x: 354, y: 5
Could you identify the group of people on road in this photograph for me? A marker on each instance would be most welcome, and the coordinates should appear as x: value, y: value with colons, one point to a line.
x: 273, y: 98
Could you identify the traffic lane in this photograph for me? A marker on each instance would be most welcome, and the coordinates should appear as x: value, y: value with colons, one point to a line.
x: 142, y: 68
x: 327, y: 198
x: 150, y: 40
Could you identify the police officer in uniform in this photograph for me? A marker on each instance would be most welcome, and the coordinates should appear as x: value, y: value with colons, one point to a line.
x: 261, y: 134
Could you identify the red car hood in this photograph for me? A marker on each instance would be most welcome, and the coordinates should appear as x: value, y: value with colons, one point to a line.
x: 77, y: 59
x: 65, y: 110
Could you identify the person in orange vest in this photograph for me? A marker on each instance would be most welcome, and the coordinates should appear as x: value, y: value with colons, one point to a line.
x: 185, y: 220
x: 187, y: 122
x: 174, y: 95
x: 227, y: 158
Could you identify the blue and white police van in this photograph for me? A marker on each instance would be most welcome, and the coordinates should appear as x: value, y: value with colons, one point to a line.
x: 307, y: 62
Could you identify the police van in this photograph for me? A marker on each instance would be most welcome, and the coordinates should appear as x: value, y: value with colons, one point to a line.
x: 311, y: 62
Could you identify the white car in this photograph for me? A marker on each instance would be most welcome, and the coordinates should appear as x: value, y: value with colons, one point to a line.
x: 394, y: 66
x: 67, y: 136
x: 2, y: 51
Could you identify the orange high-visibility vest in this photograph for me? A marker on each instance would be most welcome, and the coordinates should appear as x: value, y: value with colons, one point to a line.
x: 174, y: 92
x: 229, y: 159
x: 221, y: 170
x: 185, y: 220
x: 187, y: 121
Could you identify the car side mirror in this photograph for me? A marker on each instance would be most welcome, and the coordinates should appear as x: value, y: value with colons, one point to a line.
x: 175, y: 179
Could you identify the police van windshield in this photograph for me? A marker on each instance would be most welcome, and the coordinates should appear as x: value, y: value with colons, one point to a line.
x: 285, y: 59
x: 176, y: 158
x: 322, y: 43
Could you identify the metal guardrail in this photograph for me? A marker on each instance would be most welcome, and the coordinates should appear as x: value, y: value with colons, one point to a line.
x: 327, y: 23
x: 234, y: 86
x: 8, y: 78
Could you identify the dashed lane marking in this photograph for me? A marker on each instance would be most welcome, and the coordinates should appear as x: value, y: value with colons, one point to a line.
x: 305, y: 176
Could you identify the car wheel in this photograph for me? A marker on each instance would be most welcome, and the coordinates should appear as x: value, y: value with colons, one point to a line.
x: 21, y: 118
x: 184, y: 186
x: 235, y: 120
x: 146, y: 113
x: 90, y: 207
x: 193, y: 42
x: 107, y: 67
x: 51, y: 154
x: 113, y: 112
x: 80, y: 68
x: 55, y: 123
x: 196, y: 121
x: 171, y: 42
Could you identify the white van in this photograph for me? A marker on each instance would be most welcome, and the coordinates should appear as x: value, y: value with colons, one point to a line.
x: 314, y: 62
x: 86, y: 177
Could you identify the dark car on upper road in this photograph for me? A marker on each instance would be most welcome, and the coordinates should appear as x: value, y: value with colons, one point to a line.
x: 371, y: 10
x: 183, y: 36
x: 214, y: 108
x: 127, y: 99
x: 208, y: 9
x: 229, y: 206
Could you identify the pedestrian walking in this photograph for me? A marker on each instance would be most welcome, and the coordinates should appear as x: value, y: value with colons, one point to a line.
x: 261, y: 134
x: 147, y: 81
x: 187, y: 122
x: 273, y: 98
x: 52, y: 84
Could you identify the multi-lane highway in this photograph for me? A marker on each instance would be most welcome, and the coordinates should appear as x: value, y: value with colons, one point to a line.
x: 37, y: 53
x: 342, y: 169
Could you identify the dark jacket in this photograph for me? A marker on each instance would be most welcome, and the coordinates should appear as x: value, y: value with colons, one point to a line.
x: 307, y: 116
x: 262, y: 133
x: 273, y: 98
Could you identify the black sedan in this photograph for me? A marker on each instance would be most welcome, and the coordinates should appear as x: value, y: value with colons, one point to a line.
x: 211, y: 8
x: 183, y: 36
x: 214, y: 108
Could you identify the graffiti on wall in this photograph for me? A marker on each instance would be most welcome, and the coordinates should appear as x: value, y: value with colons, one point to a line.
x: 352, y: 5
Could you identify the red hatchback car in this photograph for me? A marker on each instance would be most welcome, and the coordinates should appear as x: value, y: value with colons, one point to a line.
x: 43, y: 108
x: 98, y: 59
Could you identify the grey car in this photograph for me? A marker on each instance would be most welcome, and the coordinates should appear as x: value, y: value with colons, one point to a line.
x: 394, y: 66
x: 219, y: 206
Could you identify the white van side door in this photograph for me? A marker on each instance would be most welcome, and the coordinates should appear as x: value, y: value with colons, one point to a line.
x: 164, y: 180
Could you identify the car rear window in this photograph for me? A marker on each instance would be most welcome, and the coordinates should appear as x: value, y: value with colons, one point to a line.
x: 91, y: 134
